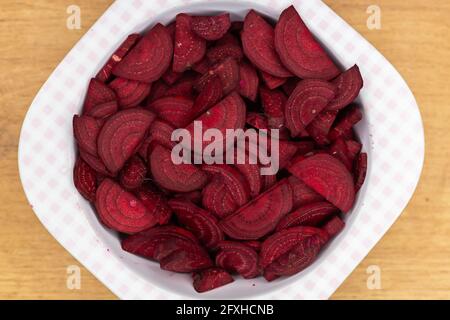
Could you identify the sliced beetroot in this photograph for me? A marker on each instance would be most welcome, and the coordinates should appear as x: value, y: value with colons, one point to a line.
x: 309, y: 98
x: 211, y: 28
x: 120, y: 210
x: 251, y: 172
x: 178, y: 178
x: 268, y: 181
x: 94, y: 162
x: 97, y: 93
x: 353, y: 148
x: 308, y: 215
x: 261, y: 215
x: 121, y: 136
x: 227, y: 71
x: 149, y: 59
x: 211, y: 279
x: 211, y: 94
x: 160, y: 132
x: 104, y: 110
x: 155, y: 202
x: 217, y: 198
x: 106, y: 72
x: 348, y: 84
x: 174, y: 110
x: 202, y: 223
x: 249, y: 81
x: 350, y: 117
x: 144, y: 243
x: 302, y: 194
x: 238, y: 257
x: 327, y: 176
x: 226, y: 50
x: 319, y: 128
x: 85, y: 179
x: 189, y: 47
x: 86, y: 130
x: 133, y: 173
x: 299, y: 51
x: 334, y: 226
x: 271, y: 81
x: 360, y: 171
x: 130, y: 93
x: 273, y: 103
x: 340, y: 151
x: 258, y: 43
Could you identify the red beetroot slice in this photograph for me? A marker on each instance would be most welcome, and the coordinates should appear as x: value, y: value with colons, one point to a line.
x: 309, y: 98
x: 174, y: 110
x: 251, y: 172
x: 349, y: 84
x: 339, y: 150
x: 299, y: 51
x: 217, y: 198
x: 149, y: 59
x: 130, y: 93
x: 249, y: 81
x: 133, y: 173
x: 319, y: 128
x: 160, y: 132
x: 258, y: 43
x: 104, y: 110
x: 86, y: 130
x: 178, y: 178
x: 222, y: 51
x: 97, y: 93
x: 308, y: 215
x: 85, y: 179
x: 227, y: 71
x: 238, y: 257
x: 211, y: 279
x: 94, y: 162
x: 327, y: 176
x: 121, y: 210
x: 211, y: 94
x: 273, y: 103
x: 155, y: 203
x: 261, y: 215
x: 353, y: 148
x: 302, y: 194
x: 283, y: 241
x: 121, y: 136
x: 211, y: 28
x: 360, y: 171
x: 189, y: 47
x: 202, y: 223
x: 334, y: 226
x: 271, y: 81
x: 351, y: 117
x: 106, y: 72
x: 144, y: 243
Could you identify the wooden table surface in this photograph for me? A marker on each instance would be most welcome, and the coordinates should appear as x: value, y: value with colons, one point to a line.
x: 414, y: 256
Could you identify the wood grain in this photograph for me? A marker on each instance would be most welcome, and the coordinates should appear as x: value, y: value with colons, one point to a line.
x: 414, y: 256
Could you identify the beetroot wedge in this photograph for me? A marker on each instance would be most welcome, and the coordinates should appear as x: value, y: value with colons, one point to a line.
x: 202, y: 224
x: 211, y: 28
x: 302, y: 194
x: 130, y: 93
x: 319, y: 128
x: 86, y: 130
x: 249, y: 81
x: 133, y: 173
x: 211, y: 94
x: 261, y: 215
x: 189, y: 47
x: 327, y: 176
x: 220, y: 52
x: 251, y: 172
x: 211, y: 279
x: 258, y: 43
x: 149, y: 59
x: 309, y: 98
x: 227, y: 71
x: 351, y: 116
x: 98, y: 93
x: 85, y: 179
x: 160, y: 132
x: 309, y: 215
x: 349, y: 84
x: 299, y: 51
x: 120, y: 210
x: 94, y: 162
x: 238, y: 257
x: 218, y: 199
x: 360, y: 171
x: 121, y: 136
x: 271, y: 81
x: 178, y: 178
x: 340, y: 151
x: 155, y: 202
x: 104, y: 110
x: 174, y: 110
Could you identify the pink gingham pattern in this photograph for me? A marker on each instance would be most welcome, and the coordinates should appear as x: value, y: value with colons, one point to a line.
x: 392, y: 134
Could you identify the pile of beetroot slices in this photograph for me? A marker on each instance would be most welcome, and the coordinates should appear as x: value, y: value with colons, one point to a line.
x: 217, y: 220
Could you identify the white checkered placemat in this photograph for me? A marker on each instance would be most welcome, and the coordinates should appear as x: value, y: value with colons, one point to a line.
x: 392, y: 133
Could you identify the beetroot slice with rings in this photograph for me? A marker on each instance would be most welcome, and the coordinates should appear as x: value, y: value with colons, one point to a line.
x: 249, y: 81
x: 189, y: 47
x: 302, y: 194
x: 122, y: 135
x: 86, y: 130
x: 258, y: 43
x: 260, y: 216
x: 130, y: 93
x: 211, y: 279
x: 133, y: 173
x: 349, y: 84
x: 238, y: 257
x: 211, y: 28
x: 307, y: 101
x: 104, y: 110
x: 251, y: 172
x: 217, y: 198
x: 120, y: 210
x: 328, y: 177
x: 155, y: 203
x: 174, y: 110
x: 97, y: 93
x: 202, y: 223
x: 149, y: 59
x: 211, y: 94
x: 299, y: 51
x: 85, y: 179
x: 178, y: 178
x: 308, y: 215
x: 160, y: 132
x: 227, y: 71
x: 144, y: 243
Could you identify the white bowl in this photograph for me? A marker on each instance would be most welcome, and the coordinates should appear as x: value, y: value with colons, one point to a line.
x: 392, y: 134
